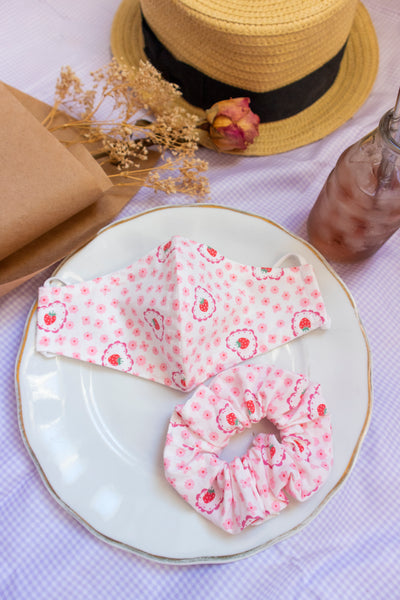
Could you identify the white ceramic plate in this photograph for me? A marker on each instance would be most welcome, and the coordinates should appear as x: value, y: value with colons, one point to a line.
x: 97, y: 435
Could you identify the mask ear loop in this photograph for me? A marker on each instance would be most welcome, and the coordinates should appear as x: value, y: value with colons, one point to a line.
x: 298, y: 257
x: 54, y: 281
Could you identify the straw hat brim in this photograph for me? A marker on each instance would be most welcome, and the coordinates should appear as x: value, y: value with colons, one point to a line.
x: 349, y: 91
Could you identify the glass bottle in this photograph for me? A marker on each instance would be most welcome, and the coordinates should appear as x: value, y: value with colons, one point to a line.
x: 358, y: 208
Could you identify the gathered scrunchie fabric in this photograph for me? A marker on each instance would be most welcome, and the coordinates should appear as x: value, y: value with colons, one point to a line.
x: 252, y: 488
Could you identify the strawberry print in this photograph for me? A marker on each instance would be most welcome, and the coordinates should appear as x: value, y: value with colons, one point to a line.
x: 209, y: 500
x: 164, y: 251
x: 263, y: 273
x: 204, y: 305
x: 52, y: 317
x: 272, y: 452
x: 294, y: 398
x: 305, y: 320
x: 179, y: 379
x: 300, y: 446
x: 155, y: 321
x: 315, y: 403
x: 252, y: 406
x: 117, y: 357
x: 210, y: 253
x: 227, y: 420
x: 243, y: 342
x: 249, y: 520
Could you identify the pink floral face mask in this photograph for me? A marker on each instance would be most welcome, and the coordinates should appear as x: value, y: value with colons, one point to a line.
x: 179, y: 315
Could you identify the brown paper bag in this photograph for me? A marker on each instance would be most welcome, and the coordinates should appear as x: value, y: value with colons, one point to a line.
x: 56, y: 199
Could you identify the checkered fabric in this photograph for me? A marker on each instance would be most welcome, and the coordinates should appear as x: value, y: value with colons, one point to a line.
x: 351, y: 550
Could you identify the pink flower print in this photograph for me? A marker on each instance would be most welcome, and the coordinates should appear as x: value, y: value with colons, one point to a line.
x: 118, y: 333
x: 304, y: 302
x: 175, y: 305
x: 228, y: 524
x: 207, y: 415
x: 76, y: 355
x: 280, y: 323
x: 249, y: 282
x: 315, y: 293
x: 213, y: 400
x: 100, y: 308
x: 238, y: 300
x: 84, y: 290
x: 104, y: 339
x: 142, y: 272
x: 140, y: 360
x: 74, y: 341
x: 285, y: 296
x: 44, y: 300
x: 290, y: 279
x: 300, y: 290
x: 233, y: 277
x: 320, y: 307
x: 274, y: 289
x: 69, y: 325
x: 262, y: 328
x: 321, y: 454
x: 124, y: 291
x: 87, y: 336
x: 105, y: 290
x: 67, y: 297
x: 44, y: 341
x: 261, y: 288
x: 219, y: 273
x: 195, y: 406
x: 214, y: 436
x: 180, y: 452
x: 131, y: 277
x: 129, y: 323
x: 74, y: 308
x: 265, y: 301
x: 308, y: 279
x: 276, y: 307
x: 326, y: 437
x: 89, y: 303
x: 189, y: 484
x: 114, y: 280
x: 55, y: 291
x: 272, y: 338
x: 136, y: 331
x: 92, y: 350
x: 85, y: 320
x: 60, y: 339
x: 202, y: 472
x: 236, y: 320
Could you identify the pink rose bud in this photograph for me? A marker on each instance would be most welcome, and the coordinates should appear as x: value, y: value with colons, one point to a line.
x: 233, y: 126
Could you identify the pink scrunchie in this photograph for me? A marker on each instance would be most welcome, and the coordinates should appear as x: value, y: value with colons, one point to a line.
x: 250, y: 489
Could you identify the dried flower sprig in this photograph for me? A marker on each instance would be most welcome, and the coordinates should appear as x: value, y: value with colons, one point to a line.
x: 126, y: 113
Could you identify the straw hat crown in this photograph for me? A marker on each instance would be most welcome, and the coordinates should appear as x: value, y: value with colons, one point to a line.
x: 306, y: 65
x: 260, y: 45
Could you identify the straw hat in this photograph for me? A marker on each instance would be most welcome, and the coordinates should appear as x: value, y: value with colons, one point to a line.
x: 307, y: 66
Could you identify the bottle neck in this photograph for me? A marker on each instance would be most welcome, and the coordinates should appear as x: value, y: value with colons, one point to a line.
x: 389, y: 130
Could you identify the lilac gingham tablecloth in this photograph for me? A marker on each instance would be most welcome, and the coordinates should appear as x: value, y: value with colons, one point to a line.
x: 351, y: 549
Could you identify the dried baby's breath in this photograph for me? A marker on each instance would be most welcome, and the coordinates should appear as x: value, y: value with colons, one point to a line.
x: 126, y: 112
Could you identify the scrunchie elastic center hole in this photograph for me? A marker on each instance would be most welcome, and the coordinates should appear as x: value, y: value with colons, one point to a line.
x: 242, y: 441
